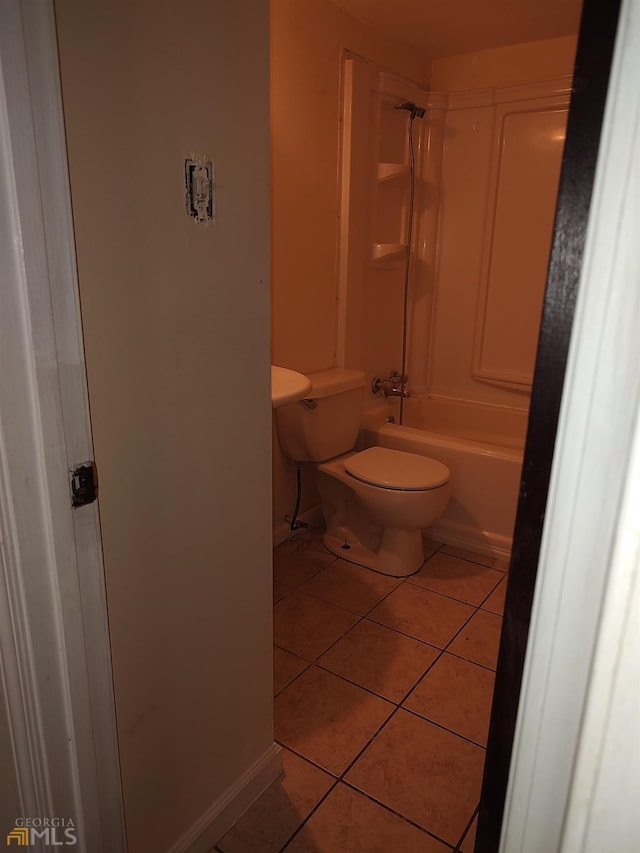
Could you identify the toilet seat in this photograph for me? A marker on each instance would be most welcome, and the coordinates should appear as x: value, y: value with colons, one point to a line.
x: 396, y: 469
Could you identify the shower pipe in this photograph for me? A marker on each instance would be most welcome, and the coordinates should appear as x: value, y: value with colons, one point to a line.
x: 414, y: 112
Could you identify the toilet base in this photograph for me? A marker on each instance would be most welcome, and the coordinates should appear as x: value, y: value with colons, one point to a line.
x: 399, y: 554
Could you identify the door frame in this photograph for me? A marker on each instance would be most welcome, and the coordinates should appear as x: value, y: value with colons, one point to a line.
x: 54, y: 642
x: 565, y: 684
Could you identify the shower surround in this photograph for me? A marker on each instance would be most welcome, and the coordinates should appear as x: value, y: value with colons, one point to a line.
x: 487, y: 170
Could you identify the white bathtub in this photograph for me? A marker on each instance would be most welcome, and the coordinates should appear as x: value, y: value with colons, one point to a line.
x: 485, y: 482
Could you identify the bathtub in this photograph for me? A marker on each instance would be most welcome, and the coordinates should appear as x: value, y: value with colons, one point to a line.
x: 485, y: 478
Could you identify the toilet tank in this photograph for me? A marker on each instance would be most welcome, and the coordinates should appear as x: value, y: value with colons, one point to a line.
x: 326, y: 423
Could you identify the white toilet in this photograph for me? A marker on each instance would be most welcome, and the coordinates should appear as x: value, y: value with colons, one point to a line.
x: 375, y: 502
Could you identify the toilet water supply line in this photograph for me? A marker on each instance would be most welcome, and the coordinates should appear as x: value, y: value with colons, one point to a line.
x: 295, y: 524
x: 414, y: 112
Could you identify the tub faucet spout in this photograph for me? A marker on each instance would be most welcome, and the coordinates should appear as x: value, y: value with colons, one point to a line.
x: 394, y: 385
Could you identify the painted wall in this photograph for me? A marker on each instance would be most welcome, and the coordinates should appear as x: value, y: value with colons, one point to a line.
x: 468, y: 158
x: 176, y: 323
x: 307, y: 44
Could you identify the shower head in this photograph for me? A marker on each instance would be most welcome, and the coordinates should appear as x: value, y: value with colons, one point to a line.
x: 411, y: 107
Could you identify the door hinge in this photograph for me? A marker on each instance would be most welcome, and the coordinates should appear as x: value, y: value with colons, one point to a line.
x: 84, y: 484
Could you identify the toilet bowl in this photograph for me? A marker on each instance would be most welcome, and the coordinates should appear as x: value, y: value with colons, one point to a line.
x: 375, y: 502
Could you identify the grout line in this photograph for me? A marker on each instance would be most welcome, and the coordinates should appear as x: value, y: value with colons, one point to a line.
x: 474, y: 662
x: 467, y: 828
x: 308, y: 817
x: 394, y: 812
x: 424, y: 674
x: 443, y: 727
x: 453, y: 597
x: 450, y: 597
x: 334, y: 776
x: 328, y: 603
x: 296, y: 654
x: 488, y: 596
x: 337, y: 640
x: 403, y: 634
x: 289, y: 683
x: 356, y: 684
x: 370, y: 741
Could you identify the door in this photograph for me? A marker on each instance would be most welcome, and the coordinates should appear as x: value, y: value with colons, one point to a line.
x: 54, y: 646
x: 556, y: 767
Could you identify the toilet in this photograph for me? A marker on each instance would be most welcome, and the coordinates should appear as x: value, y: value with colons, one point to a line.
x: 375, y: 502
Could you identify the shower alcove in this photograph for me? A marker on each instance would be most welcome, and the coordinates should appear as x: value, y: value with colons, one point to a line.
x: 487, y: 164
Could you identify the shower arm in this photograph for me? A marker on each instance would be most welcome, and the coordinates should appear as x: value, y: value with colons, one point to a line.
x: 412, y: 107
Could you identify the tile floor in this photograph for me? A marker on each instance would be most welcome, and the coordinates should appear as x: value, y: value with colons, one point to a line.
x: 382, y: 697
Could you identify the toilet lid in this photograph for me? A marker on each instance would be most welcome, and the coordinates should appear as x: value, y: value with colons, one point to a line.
x: 396, y: 469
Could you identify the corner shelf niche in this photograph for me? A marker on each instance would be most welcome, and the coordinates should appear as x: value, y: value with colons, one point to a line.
x: 388, y: 171
x: 393, y: 175
x: 388, y: 251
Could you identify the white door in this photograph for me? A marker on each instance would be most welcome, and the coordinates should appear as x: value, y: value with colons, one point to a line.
x: 54, y: 647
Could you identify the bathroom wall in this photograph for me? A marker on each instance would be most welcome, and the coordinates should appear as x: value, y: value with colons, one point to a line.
x: 463, y: 330
x: 176, y: 323
x: 307, y: 44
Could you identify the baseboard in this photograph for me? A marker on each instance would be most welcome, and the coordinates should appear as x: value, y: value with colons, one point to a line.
x: 225, y: 811
x: 311, y: 517
x: 470, y: 538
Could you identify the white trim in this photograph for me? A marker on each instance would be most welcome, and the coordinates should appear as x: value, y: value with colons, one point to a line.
x: 42, y: 57
x: 344, y: 189
x: 470, y: 538
x: 592, y: 470
x: 54, y: 638
x: 225, y: 811
x: 602, y: 815
x: 472, y: 98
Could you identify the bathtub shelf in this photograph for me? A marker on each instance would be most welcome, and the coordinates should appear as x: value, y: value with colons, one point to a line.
x: 388, y: 251
x: 387, y: 171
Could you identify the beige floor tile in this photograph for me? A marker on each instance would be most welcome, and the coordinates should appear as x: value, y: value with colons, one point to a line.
x: 326, y: 719
x: 470, y: 838
x: 347, y: 821
x: 285, y: 668
x: 382, y: 660
x: 422, y: 614
x: 276, y: 815
x: 495, y: 602
x: 479, y: 639
x: 295, y: 561
x: 349, y: 586
x: 461, y: 579
x: 456, y: 694
x: 423, y: 772
x: 483, y: 559
x: 430, y: 546
x: 306, y: 626
x: 279, y: 591
x: 314, y: 538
